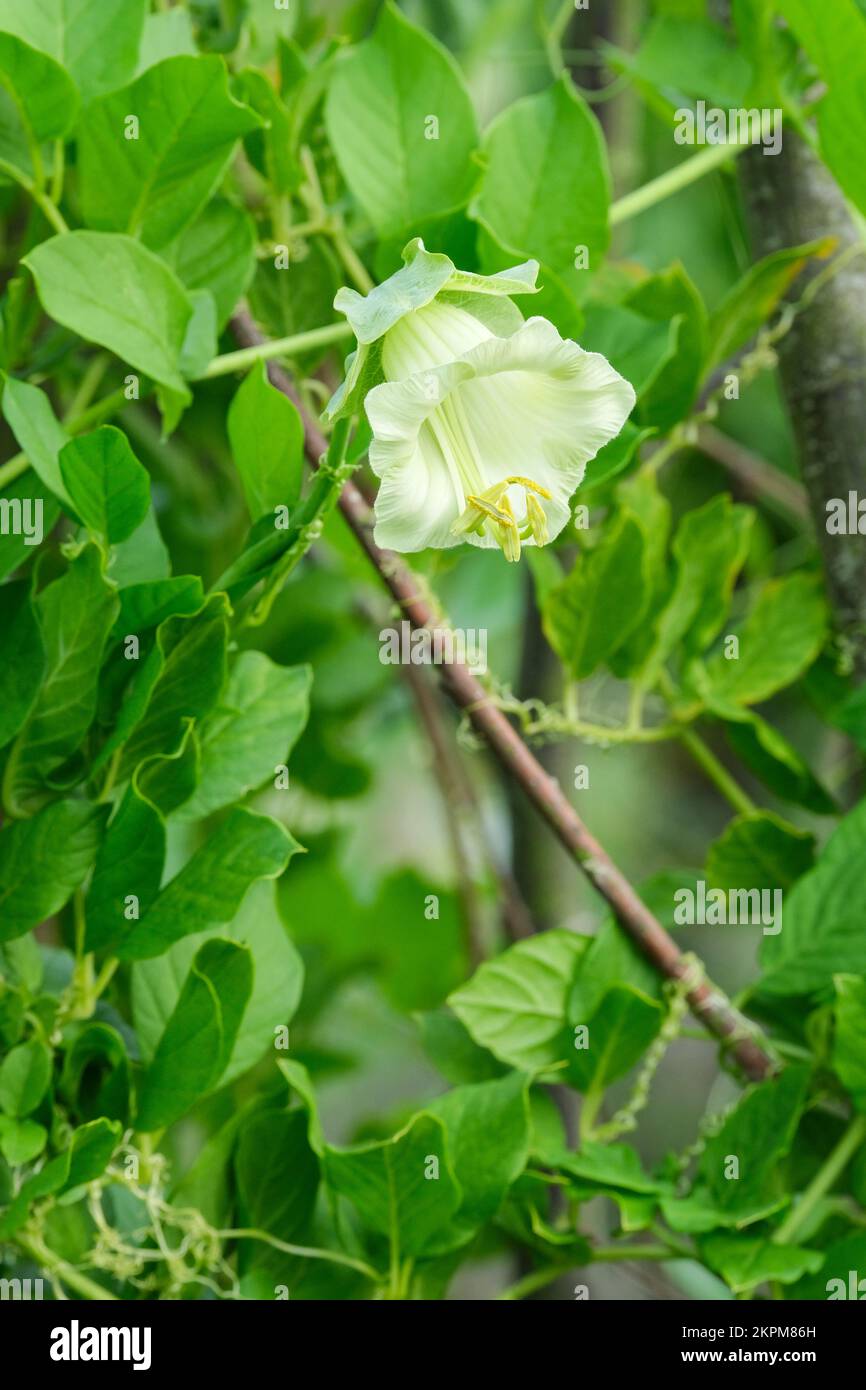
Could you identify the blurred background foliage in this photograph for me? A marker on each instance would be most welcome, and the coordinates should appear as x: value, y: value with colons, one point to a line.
x: 365, y: 800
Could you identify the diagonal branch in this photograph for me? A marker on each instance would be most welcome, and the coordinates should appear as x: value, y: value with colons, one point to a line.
x: 709, y: 1004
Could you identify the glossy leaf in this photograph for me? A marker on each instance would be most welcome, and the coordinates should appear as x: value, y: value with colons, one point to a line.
x: 108, y: 486
x: 37, y: 103
x: 96, y: 41
x: 393, y: 1187
x: 380, y: 101
x: 267, y: 439
x: 199, y: 1036
x: 75, y: 614
x: 152, y: 182
x: 276, y: 988
x: 515, y: 1005
x: 43, y: 860
x: 592, y: 612
x: 260, y: 717
x: 24, y: 1076
x: 760, y: 850
x: 545, y: 191
x: 210, y: 887
x: 113, y: 291
x: 849, y: 1050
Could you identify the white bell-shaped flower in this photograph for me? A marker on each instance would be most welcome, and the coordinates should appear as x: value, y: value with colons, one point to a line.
x: 483, y: 424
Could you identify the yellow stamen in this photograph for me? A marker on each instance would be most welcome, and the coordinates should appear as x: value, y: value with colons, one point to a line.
x: 501, y: 515
x: 491, y: 511
x: 537, y: 518
x: 508, y: 534
x: 530, y: 485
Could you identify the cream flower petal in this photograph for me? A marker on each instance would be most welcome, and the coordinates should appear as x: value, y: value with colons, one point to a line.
x: 532, y: 406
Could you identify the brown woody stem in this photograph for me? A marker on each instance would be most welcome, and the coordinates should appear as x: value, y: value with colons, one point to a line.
x: 712, y: 1007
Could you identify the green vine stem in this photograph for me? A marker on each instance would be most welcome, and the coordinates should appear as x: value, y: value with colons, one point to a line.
x: 673, y: 181
x: 305, y: 1252
x: 833, y: 1165
x: 717, y: 772
x: 279, y: 347
x: 58, y: 1268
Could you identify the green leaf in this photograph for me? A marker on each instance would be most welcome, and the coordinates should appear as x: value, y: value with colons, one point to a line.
x: 298, y: 1078
x: 37, y: 103
x: 692, y: 58
x: 760, y: 850
x: 166, y: 35
x: 758, y: 1133
x: 515, y: 1005
x: 24, y: 497
x: 211, y: 886
x: 836, y: 43
x: 613, y: 458
x: 381, y: 99
x: 216, y: 252
x: 415, y: 969
x: 21, y: 1140
x: 840, y: 1276
x: 276, y: 990
x: 604, y: 1166
x: 619, y: 1032
x: 278, y: 1179
x: 267, y: 440
x: 744, y: 1262
x: 452, y: 1051
x: 28, y: 413
x: 393, y: 1186
x: 24, y: 1077
x: 259, y: 719
x: 488, y: 1142
x: 822, y: 934
x: 590, y: 615
x: 271, y: 150
x: 849, y: 1048
x: 142, y: 558
x: 22, y: 658
x: 710, y: 549
x: 153, y: 183
x: 75, y: 614
x: 698, y: 1212
x: 200, y: 343
x: 88, y: 1154
x: 12, y: 1008
x: 22, y: 963
x: 169, y: 779
x: 144, y: 606
x: 546, y: 185
x: 180, y: 679
x: 86, y: 1158
x: 43, y: 860
x: 198, y: 1039
x: 752, y: 301
x: 638, y: 347
x: 612, y: 958
x: 113, y: 291
x: 96, y: 1072
x: 96, y: 41
x: 127, y: 872
x: 670, y: 297
x: 781, y: 637
x: 640, y: 497
x: 209, y: 1184
x: 110, y: 490
x: 777, y: 763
